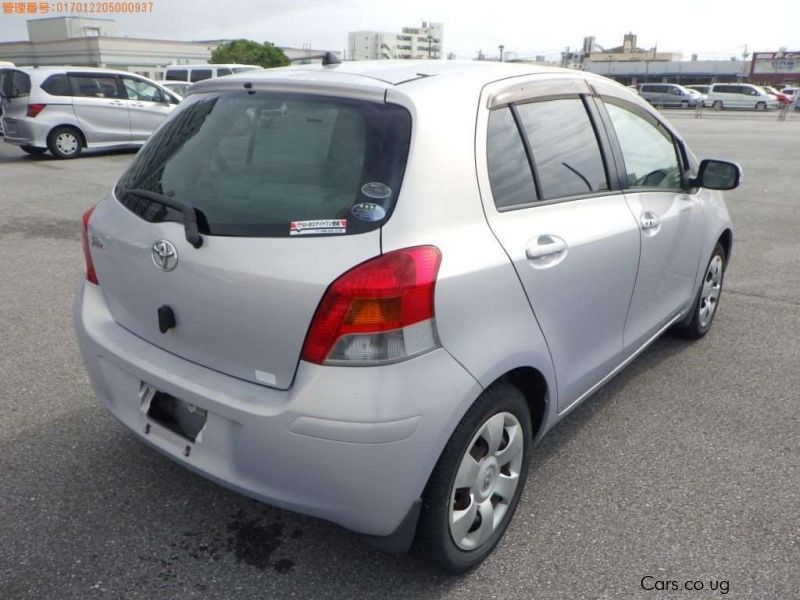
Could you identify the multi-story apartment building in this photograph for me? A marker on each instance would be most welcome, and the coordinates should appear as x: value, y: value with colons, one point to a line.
x: 412, y: 42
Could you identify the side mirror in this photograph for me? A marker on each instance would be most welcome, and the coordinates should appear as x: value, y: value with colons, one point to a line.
x: 717, y: 175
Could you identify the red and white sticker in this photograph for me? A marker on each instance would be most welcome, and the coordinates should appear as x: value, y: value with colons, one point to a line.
x: 318, y: 226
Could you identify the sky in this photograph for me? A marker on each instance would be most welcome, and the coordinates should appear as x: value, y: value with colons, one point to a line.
x: 527, y: 28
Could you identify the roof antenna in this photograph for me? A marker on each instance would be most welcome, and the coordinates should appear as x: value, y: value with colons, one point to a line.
x: 329, y: 58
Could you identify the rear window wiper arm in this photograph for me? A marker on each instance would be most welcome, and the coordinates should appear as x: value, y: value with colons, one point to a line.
x: 189, y: 212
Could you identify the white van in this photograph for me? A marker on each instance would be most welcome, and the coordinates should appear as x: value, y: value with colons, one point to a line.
x: 193, y: 73
x: 739, y: 95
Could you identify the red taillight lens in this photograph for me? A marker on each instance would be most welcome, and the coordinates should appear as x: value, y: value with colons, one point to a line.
x: 35, y: 109
x: 91, y: 276
x: 379, y: 311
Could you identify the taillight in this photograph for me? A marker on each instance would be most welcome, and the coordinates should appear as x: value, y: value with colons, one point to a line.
x: 35, y: 109
x: 91, y: 276
x: 380, y: 311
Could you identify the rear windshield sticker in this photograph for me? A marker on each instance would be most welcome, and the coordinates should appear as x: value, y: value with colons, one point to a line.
x: 376, y: 189
x: 368, y: 211
x: 318, y: 226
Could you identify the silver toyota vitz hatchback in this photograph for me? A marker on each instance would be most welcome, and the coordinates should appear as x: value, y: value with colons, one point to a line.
x: 364, y: 291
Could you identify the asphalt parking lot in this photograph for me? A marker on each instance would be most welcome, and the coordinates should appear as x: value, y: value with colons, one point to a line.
x: 685, y: 467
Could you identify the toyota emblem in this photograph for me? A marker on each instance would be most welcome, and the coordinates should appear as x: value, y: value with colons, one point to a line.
x: 165, y: 256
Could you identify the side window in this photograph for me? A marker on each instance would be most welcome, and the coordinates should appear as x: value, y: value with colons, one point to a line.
x: 95, y: 86
x: 564, y: 146
x: 136, y: 89
x: 221, y: 72
x: 509, y: 171
x: 56, y: 85
x: 200, y: 74
x: 177, y: 75
x: 647, y: 149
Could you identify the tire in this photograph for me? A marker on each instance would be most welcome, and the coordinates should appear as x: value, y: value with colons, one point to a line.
x: 684, y: 104
x: 501, y: 405
x: 33, y: 150
x: 707, y: 298
x: 65, y: 142
x: 761, y: 106
x: 717, y: 105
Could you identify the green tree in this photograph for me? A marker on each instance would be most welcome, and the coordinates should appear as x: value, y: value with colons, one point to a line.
x: 248, y: 52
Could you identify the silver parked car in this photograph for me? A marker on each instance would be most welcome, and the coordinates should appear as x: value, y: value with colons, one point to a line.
x: 345, y: 292
x: 66, y: 109
x: 669, y: 94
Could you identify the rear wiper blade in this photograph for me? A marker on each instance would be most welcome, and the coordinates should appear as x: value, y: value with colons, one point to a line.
x: 189, y: 212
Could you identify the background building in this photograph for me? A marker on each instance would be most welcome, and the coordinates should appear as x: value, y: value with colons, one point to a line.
x: 88, y: 42
x: 412, y: 42
x: 683, y: 72
x: 775, y: 68
x: 629, y: 51
x: 592, y: 52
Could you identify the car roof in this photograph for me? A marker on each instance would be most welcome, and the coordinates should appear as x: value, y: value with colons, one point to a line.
x: 410, y: 78
x: 206, y: 65
x: 398, y: 72
x: 75, y: 69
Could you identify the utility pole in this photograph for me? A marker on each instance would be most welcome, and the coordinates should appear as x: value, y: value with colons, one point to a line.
x: 501, y: 48
x: 745, y: 54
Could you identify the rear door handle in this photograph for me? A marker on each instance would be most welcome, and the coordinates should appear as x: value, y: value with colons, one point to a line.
x: 545, y: 247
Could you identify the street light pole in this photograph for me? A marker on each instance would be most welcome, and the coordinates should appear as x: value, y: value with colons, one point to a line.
x: 501, y: 48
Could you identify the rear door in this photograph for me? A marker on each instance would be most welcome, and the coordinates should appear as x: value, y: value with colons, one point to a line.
x: 146, y: 107
x: 16, y: 94
x: 293, y: 191
x: 570, y: 235
x: 670, y: 219
x: 101, y: 107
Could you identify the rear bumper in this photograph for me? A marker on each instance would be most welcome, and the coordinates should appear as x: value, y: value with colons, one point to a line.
x: 25, y: 132
x: 352, y: 445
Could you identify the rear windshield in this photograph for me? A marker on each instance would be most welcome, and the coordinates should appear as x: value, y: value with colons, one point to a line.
x: 274, y: 165
x: 16, y: 84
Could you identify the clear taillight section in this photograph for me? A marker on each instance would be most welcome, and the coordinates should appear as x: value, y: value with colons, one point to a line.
x: 91, y: 275
x: 380, y: 311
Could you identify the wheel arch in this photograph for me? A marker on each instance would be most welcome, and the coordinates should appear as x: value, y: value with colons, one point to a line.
x: 71, y: 126
x: 532, y: 383
x: 726, y: 239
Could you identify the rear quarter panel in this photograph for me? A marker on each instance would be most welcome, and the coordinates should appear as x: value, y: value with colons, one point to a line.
x: 483, y: 318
